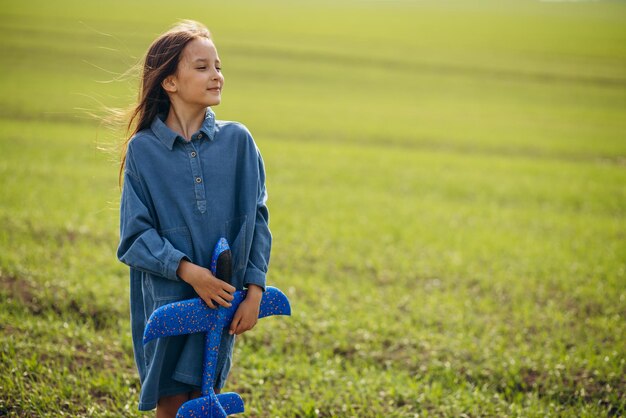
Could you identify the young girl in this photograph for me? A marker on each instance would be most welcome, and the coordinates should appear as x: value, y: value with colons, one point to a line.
x: 188, y: 180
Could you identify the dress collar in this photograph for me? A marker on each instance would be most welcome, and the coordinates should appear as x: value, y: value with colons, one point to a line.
x: 168, y: 136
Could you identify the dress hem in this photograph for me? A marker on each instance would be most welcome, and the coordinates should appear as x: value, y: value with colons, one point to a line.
x: 150, y: 405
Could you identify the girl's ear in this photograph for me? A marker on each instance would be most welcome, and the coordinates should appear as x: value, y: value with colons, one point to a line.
x: 169, y: 84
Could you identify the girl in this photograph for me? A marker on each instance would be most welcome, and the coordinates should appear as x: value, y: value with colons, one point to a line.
x: 188, y: 180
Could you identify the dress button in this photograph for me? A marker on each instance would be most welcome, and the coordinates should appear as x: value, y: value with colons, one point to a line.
x: 198, y: 180
x: 200, y: 135
x: 193, y: 154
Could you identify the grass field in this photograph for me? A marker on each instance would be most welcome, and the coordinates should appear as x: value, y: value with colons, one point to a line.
x: 447, y: 189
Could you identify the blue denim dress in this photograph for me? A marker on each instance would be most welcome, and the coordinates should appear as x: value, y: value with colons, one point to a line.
x: 179, y: 197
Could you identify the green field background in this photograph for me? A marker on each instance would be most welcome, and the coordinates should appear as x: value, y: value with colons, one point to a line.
x: 447, y: 189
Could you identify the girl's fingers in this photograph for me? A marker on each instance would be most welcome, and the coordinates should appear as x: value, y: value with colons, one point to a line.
x: 234, y: 324
x: 212, y: 301
x: 226, y: 296
x: 222, y: 302
x: 243, y: 328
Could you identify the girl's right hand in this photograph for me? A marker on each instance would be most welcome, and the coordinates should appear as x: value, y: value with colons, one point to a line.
x: 211, y: 289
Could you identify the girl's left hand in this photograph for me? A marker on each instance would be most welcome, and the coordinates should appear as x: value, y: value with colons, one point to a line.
x: 247, y: 313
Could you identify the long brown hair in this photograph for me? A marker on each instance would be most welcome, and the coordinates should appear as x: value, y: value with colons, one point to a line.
x: 161, y: 61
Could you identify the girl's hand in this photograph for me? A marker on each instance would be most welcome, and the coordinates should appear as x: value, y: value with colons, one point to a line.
x: 211, y: 289
x: 247, y: 313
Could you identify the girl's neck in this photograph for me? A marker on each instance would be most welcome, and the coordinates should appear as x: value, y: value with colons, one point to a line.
x: 185, y: 121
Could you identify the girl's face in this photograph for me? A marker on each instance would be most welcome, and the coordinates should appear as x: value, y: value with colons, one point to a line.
x: 198, y: 80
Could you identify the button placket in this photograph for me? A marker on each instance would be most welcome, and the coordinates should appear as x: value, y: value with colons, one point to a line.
x: 196, y: 172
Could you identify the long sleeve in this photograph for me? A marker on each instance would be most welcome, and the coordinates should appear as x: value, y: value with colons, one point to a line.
x: 258, y: 261
x: 141, y: 247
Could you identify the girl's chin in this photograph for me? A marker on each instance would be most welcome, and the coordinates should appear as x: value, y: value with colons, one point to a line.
x: 213, y: 102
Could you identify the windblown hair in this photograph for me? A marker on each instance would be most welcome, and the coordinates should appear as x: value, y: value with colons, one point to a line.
x: 160, y: 61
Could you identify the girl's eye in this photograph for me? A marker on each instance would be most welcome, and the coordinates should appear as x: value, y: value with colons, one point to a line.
x: 201, y: 68
x: 219, y: 69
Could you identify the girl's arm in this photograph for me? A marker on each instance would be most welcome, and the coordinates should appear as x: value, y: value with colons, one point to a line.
x: 247, y: 314
x: 258, y: 262
x: 141, y: 246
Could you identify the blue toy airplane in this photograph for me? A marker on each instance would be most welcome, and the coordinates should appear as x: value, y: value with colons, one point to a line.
x: 194, y: 315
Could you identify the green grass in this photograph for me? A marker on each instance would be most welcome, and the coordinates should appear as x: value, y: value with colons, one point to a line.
x: 447, y: 193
